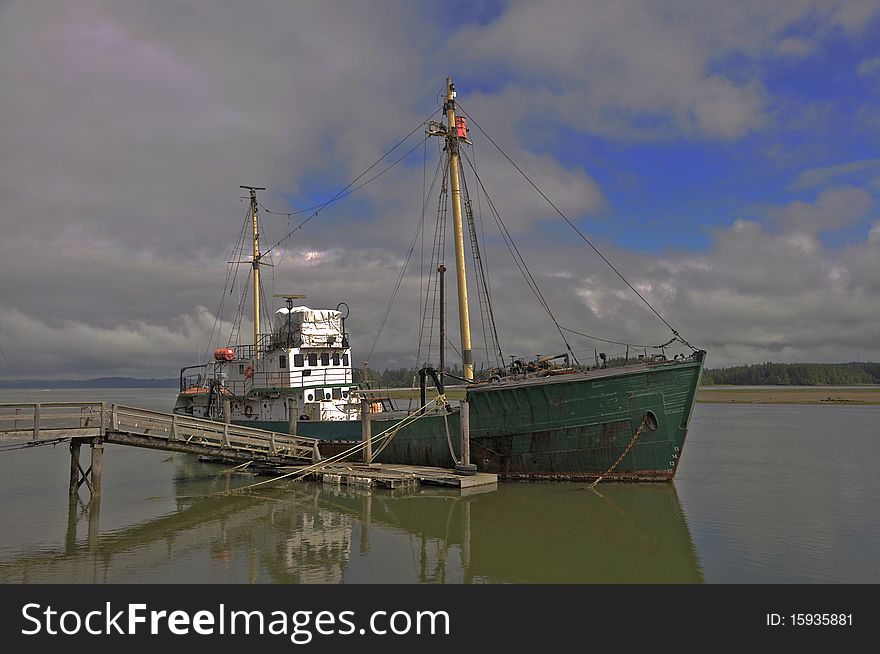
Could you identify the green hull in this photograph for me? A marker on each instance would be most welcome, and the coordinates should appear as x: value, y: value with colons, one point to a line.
x: 569, y: 427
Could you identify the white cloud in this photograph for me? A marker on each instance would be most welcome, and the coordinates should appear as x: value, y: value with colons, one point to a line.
x: 794, y: 47
x: 621, y: 59
x: 617, y: 68
x: 854, y: 16
x: 834, y: 209
x: 818, y: 176
x: 132, y: 124
x: 82, y: 350
x: 869, y: 66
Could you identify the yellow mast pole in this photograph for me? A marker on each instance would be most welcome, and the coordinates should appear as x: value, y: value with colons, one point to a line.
x: 256, y: 265
x: 452, y: 142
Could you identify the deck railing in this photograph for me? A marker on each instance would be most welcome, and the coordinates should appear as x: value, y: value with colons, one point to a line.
x: 296, y: 378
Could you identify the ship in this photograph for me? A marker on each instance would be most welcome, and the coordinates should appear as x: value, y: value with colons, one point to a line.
x: 620, y: 418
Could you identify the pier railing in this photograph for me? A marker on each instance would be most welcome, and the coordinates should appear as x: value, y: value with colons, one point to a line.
x: 48, y: 420
x: 44, y: 421
x: 176, y: 428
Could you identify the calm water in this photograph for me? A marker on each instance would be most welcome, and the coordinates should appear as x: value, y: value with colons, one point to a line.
x: 764, y: 494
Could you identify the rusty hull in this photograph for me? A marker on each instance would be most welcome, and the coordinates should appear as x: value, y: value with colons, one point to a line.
x: 569, y: 427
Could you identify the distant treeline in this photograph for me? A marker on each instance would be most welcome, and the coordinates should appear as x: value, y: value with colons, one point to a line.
x: 396, y: 377
x: 761, y: 374
x: 100, y: 382
x: 796, y: 374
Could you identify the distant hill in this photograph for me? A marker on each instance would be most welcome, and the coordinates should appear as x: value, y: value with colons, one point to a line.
x: 795, y: 374
x: 99, y: 382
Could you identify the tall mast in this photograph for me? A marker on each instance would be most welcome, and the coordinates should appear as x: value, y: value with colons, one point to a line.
x: 452, y: 144
x: 256, y: 265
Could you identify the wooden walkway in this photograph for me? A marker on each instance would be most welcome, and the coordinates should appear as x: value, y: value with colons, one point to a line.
x: 96, y: 422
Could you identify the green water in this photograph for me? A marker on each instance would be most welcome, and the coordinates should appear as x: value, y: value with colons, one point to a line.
x: 763, y: 494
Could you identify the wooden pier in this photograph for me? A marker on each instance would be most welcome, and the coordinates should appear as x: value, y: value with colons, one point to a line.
x: 96, y: 423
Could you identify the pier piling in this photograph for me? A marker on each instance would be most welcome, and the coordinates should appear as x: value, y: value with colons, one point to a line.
x: 465, y: 467
x: 75, y: 446
x: 366, y: 430
x: 97, y: 467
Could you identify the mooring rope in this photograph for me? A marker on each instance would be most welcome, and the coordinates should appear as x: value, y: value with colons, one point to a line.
x: 302, y: 472
x: 241, y: 466
x: 31, y: 444
x: 449, y: 439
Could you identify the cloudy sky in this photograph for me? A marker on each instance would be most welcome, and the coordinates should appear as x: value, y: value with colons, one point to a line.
x: 726, y: 156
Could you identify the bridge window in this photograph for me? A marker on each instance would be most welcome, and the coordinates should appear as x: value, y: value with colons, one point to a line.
x: 336, y: 358
x: 241, y: 369
x: 313, y: 359
x: 337, y: 393
x: 298, y: 360
x: 282, y: 362
x: 325, y: 359
x: 344, y: 359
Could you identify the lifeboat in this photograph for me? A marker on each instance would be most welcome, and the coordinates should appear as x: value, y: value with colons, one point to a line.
x: 224, y: 354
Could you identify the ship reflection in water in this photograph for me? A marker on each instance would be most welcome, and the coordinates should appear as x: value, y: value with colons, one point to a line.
x: 314, y: 533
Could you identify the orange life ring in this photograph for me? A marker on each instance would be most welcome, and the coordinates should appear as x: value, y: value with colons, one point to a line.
x: 248, y: 411
x: 249, y: 371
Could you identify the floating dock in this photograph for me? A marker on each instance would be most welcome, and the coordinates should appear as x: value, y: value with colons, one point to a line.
x: 391, y: 475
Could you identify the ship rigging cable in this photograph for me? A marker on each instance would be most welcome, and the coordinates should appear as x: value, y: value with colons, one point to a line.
x: 438, y: 256
x: 487, y: 314
x: 518, y: 259
x: 231, y: 273
x: 347, y: 189
x: 574, y: 227
x: 608, y: 340
x: 12, y: 368
x: 406, y: 260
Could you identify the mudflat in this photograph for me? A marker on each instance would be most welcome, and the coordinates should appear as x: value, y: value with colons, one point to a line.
x: 861, y: 395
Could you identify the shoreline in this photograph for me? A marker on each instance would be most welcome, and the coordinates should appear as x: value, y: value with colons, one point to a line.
x: 858, y: 396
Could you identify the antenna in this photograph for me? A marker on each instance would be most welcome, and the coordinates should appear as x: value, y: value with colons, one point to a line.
x: 290, y: 297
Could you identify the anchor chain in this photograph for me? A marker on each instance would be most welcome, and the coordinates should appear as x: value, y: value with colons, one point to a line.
x: 625, y: 452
